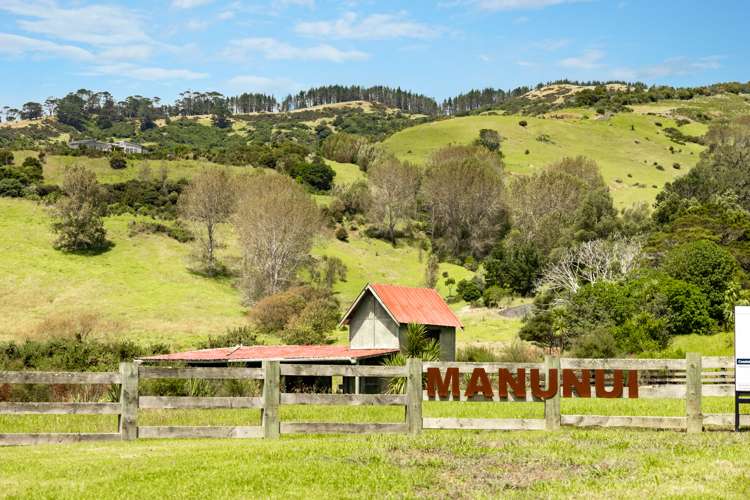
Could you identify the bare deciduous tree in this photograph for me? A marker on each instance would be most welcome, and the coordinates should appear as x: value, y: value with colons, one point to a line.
x: 464, y: 191
x: 544, y: 204
x: 276, y: 221
x: 208, y: 201
x: 592, y: 262
x: 393, y: 193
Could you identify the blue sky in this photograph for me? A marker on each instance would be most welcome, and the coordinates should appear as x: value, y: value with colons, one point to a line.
x: 162, y: 47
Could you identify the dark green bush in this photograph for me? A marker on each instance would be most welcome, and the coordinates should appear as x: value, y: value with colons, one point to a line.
x: 241, y: 335
x: 469, y: 291
x: 12, y: 188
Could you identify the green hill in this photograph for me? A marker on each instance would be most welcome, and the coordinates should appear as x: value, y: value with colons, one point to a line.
x: 625, y: 155
x: 142, y: 288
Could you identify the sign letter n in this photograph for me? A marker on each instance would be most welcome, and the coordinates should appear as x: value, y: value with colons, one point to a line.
x: 451, y: 381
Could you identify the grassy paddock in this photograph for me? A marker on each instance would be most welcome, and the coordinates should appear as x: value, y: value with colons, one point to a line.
x: 625, y: 156
x: 456, y: 464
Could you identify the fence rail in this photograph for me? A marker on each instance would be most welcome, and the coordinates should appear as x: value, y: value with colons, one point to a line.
x: 689, y: 379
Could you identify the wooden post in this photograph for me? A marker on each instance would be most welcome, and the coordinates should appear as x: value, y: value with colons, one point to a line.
x: 271, y: 399
x: 694, y: 389
x: 129, y: 401
x: 414, y: 395
x: 552, y: 412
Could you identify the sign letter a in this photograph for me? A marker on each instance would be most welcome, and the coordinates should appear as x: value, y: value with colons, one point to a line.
x: 479, y: 382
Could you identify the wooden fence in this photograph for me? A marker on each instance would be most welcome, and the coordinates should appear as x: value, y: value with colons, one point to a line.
x: 688, y: 379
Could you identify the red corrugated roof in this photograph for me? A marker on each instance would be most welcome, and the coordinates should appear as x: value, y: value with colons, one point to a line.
x: 280, y: 352
x: 412, y: 305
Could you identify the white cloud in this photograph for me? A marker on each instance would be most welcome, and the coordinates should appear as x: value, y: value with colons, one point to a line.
x: 254, y: 83
x: 550, y: 45
x: 126, y: 52
x: 372, y: 27
x: 271, y: 48
x: 146, y: 73
x: 93, y: 24
x: 225, y: 15
x: 590, y: 59
x: 525, y: 64
x: 299, y: 3
x: 519, y: 4
x: 16, y: 45
x: 485, y: 58
x: 676, y: 66
x: 189, y: 4
x: 196, y: 25
x: 521, y: 20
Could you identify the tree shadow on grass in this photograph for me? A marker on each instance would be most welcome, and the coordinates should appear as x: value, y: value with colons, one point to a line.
x: 90, y: 252
x: 220, y: 272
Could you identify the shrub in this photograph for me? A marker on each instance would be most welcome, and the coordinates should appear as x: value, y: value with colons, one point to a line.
x: 178, y: 231
x: 241, y: 335
x: 117, y: 160
x: 515, y: 266
x: 599, y: 343
x: 494, y: 296
x: 489, y: 139
x: 6, y: 157
x: 708, y: 266
x: 523, y: 123
x: 469, y: 291
x: 272, y: 313
x: 318, y: 175
x: 477, y: 354
x: 676, y: 166
x: 659, y: 167
x: 341, y: 234
x: 544, y: 138
x: 12, y: 188
x: 519, y: 351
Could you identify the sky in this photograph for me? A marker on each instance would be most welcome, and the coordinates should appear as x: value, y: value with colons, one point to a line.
x: 163, y: 47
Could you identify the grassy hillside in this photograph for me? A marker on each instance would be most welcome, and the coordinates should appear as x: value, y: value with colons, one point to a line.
x: 142, y: 288
x: 626, y: 157
x: 54, y: 167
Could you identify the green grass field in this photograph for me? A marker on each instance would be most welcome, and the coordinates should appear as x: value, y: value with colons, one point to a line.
x: 142, y: 288
x: 346, y: 173
x: 597, y: 463
x: 54, y: 167
x: 610, y: 142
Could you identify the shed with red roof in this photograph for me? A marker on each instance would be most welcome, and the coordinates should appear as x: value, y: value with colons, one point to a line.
x: 378, y: 318
x: 377, y: 322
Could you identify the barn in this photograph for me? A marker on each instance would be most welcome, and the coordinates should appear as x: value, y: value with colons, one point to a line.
x: 377, y: 319
x: 377, y: 322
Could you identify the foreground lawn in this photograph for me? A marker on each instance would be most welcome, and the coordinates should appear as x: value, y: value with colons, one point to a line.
x: 445, y: 464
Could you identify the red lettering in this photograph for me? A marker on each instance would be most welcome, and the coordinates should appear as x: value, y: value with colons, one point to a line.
x: 633, y: 384
x: 552, y: 384
x: 601, y: 389
x: 479, y: 382
x: 518, y: 384
x: 451, y: 381
x: 570, y: 382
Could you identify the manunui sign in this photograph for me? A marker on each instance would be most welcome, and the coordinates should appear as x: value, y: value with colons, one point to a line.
x: 447, y: 385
